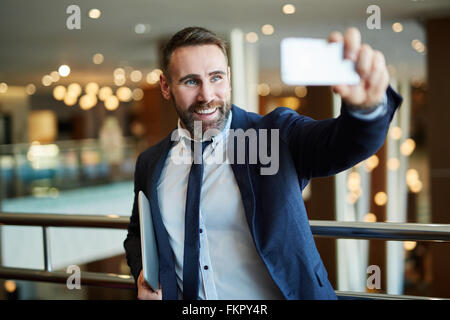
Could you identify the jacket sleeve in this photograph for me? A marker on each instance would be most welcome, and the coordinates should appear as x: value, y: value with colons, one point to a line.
x: 326, y: 147
x: 132, y: 243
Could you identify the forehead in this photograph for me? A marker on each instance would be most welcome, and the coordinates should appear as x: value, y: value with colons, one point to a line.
x: 200, y: 59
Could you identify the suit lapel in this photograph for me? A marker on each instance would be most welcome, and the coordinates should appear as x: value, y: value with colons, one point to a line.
x: 166, y: 263
x: 242, y: 172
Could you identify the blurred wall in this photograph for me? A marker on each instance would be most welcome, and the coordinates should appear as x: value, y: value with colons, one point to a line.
x: 438, y: 31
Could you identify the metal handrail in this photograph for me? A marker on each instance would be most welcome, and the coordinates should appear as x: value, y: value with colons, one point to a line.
x: 347, y: 295
x: 382, y: 230
x: 111, y: 221
x: 109, y: 280
x: 321, y: 228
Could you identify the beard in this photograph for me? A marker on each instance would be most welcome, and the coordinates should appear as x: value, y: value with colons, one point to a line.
x: 187, y: 117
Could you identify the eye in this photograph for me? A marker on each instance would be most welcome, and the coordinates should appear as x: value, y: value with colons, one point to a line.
x: 191, y: 82
x: 216, y: 78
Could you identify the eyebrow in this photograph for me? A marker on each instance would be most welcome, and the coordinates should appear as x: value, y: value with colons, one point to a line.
x: 196, y: 76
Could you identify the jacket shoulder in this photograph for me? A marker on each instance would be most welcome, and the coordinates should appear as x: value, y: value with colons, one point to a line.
x: 150, y: 155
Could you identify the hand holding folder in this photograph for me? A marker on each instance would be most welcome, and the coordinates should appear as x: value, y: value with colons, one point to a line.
x: 149, y: 249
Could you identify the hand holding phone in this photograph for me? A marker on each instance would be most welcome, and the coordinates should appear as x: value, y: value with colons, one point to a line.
x: 357, y: 72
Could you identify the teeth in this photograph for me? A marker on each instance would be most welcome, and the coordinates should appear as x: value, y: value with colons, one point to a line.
x: 206, y: 111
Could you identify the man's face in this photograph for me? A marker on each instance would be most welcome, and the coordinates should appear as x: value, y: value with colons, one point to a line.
x: 199, y: 86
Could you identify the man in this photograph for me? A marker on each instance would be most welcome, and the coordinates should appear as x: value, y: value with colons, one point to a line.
x: 235, y: 233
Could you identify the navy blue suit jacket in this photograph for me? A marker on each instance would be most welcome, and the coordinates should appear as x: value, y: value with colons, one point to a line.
x: 273, y: 204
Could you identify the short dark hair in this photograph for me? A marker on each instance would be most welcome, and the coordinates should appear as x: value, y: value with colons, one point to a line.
x: 190, y: 36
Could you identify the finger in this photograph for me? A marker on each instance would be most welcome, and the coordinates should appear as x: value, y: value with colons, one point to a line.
x: 149, y: 295
x: 378, y: 80
x: 379, y: 67
x: 336, y: 36
x: 378, y: 87
x: 342, y: 90
x: 355, y: 95
x: 374, y: 93
x: 352, y: 43
x: 365, y: 61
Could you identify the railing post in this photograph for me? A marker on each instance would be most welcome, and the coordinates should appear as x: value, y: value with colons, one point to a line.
x: 46, y: 243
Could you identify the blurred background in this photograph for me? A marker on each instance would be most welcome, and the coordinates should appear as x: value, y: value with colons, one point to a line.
x: 80, y: 99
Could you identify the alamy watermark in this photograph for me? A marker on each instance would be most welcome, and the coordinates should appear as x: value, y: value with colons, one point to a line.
x: 374, y: 280
x: 251, y: 146
x: 73, y: 21
x: 374, y: 20
x: 74, y: 280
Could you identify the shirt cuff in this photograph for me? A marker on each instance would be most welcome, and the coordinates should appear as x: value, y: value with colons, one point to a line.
x: 372, y: 113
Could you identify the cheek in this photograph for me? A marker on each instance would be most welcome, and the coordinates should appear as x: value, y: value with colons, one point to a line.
x: 184, y: 98
x: 224, y: 91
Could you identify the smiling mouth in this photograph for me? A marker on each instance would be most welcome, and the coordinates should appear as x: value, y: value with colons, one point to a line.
x: 208, y: 111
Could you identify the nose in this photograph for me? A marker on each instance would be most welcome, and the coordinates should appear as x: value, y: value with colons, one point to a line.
x: 206, y: 93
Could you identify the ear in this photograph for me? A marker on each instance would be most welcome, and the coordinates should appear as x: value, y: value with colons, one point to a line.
x: 165, y: 86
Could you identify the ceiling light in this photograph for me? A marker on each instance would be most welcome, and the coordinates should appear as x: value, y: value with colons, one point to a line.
x: 395, y: 133
x: 59, y: 92
x: 301, y: 92
x: 104, y: 93
x: 64, y: 70
x: 124, y: 94
x: 70, y: 98
x: 3, y: 87
x: 397, y: 27
x: 267, y: 29
x: 55, y: 76
x: 152, y: 77
x: 251, y: 37
x: 141, y: 28
x: 407, y: 147
x: 412, y: 175
x: 263, y: 89
x: 136, y: 76
x: 91, y: 88
x: 97, y: 58
x: 111, y: 103
x: 75, y: 89
x: 370, y: 217
x: 416, y: 187
x: 119, y: 81
x: 380, y: 198
x: 138, y: 94
x: 10, y: 286
x: 393, y: 164
x: 47, y: 80
x: 288, y: 9
x: 30, y: 89
x: 371, y: 163
x: 94, y: 13
x: 354, y: 181
x: 409, y: 245
x: 119, y: 72
x: 88, y: 101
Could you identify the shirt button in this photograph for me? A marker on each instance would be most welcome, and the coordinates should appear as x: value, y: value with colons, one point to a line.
x: 201, y: 230
x: 205, y: 267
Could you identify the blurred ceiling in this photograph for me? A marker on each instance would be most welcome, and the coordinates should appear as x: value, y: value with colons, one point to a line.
x: 35, y: 40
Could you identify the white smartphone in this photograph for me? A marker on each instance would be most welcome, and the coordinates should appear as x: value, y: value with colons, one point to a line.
x: 308, y: 61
